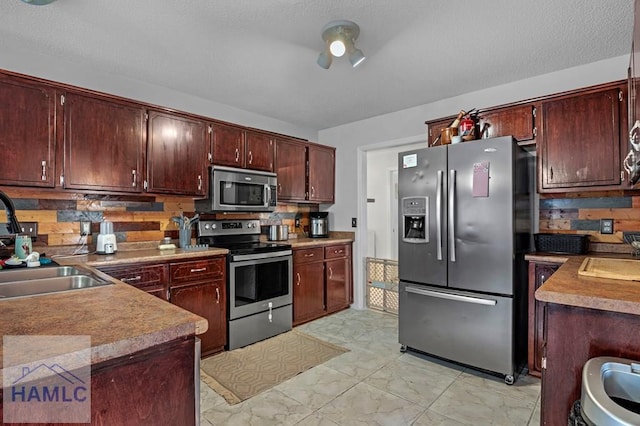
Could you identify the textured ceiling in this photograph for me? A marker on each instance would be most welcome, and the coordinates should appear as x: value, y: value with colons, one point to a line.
x: 260, y: 55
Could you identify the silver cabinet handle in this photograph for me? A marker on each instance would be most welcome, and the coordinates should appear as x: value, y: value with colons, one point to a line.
x: 133, y: 174
x: 338, y: 251
x: 199, y: 182
x: 130, y: 279
x: 313, y: 191
x: 279, y: 189
x: 452, y: 215
x: 330, y: 272
x: 237, y: 154
x: 297, y: 278
x: 198, y: 270
x: 250, y: 157
x: 44, y: 170
x: 449, y: 296
x: 217, y: 295
x: 438, y: 214
x: 309, y: 255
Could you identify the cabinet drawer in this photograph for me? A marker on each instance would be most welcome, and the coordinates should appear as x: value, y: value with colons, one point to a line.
x: 333, y: 252
x: 196, y: 270
x: 138, y: 276
x: 308, y: 255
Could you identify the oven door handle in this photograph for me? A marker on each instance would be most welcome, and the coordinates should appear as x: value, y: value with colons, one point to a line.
x: 268, y: 255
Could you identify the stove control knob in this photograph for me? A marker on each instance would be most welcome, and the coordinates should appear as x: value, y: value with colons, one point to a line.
x: 214, y: 226
x: 206, y: 226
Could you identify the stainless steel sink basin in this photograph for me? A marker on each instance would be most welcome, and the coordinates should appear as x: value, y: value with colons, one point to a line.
x: 46, y: 285
x: 42, y: 272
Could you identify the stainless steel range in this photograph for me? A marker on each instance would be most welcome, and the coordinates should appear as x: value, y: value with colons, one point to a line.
x: 259, y: 280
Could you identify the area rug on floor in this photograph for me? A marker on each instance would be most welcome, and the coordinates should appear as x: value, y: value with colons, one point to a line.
x: 242, y: 373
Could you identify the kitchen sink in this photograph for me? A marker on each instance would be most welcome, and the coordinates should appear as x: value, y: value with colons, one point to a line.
x: 39, y: 273
x: 58, y: 280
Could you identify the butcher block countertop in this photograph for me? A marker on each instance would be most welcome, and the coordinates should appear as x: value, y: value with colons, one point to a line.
x: 567, y: 287
x: 119, y: 318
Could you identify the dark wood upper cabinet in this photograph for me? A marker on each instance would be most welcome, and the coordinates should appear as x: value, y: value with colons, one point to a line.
x: 27, y: 133
x: 103, y: 144
x: 579, y: 141
x: 177, y: 154
x: 517, y: 121
x: 321, y: 173
x: 260, y: 151
x: 227, y: 145
x: 291, y: 168
x: 435, y: 127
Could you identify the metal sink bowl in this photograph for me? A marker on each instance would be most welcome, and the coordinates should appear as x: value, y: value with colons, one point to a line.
x: 611, y: 392
x: 46, y: 281
x: 41, y: 272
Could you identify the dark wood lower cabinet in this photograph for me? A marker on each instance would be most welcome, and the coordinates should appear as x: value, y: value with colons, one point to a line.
x: 322, y: 281
x: 539, y: 272
x: 155, y: 386
x: 573, y: 336
x: 337, y: 284
x: 206, y: 299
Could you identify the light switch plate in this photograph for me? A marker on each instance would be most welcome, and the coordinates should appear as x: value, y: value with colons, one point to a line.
x: 606, y: 226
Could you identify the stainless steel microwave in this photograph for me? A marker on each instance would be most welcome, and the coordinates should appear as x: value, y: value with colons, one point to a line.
x: 239, y: 190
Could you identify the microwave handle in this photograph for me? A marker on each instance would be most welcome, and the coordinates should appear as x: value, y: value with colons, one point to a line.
x: 267, y: 195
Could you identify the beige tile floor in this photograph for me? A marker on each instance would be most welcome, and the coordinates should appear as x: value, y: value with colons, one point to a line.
x: 376, y: 384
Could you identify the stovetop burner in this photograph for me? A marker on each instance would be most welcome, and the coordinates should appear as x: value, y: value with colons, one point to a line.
x: 237, y: 236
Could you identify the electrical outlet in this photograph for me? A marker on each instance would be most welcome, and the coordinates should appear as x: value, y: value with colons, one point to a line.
x: 354, y: 222
x: 30, y: 228
x: 606, y: 226
x: 85, y: 228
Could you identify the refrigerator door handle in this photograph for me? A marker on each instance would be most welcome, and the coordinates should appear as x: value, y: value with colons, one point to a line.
x: 449, y: 296
x: 452, y: 206
x: 439, y: 214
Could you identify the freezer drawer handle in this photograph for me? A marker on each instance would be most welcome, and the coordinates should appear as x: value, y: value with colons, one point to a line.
x: 452, y: 215
x: 456, y: 297
x: 439, y: 215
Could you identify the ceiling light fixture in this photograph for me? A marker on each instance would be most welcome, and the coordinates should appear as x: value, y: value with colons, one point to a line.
x: 38, y: 2
x: 340, y: 38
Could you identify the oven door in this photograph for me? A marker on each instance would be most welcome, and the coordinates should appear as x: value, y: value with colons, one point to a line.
x: 243, y: 190
x: 259, y: 282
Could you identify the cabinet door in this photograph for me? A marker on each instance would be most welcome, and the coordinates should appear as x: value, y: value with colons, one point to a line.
x: 434, y: 129
x: 308, y: 291
x: 208, y: 300
x: 580, y: 142
x: 337, y: 284
x: 291, y: 161
x: 103, y: 144
x: 321, y: 174
x: 538, y: 274
x: 260, y: 152
x: 27, y: 133
x: 177, y: 154
x: 228, y: 145
x: 515, y: 121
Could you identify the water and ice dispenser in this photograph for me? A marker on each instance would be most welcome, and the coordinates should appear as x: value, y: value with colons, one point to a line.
x: 415, y: 219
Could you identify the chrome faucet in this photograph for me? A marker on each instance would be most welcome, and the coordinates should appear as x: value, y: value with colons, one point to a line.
x: 12, y: 227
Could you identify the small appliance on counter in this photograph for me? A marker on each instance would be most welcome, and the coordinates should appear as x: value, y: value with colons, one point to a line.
x: 278, y: 232
x: 319, y: 225
x: 106, y: 239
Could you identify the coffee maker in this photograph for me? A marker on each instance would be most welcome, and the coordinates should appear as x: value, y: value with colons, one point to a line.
x: 319, y: 222
x: 106, y: 243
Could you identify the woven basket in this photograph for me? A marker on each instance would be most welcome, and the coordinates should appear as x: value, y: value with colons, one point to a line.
x: 562, y: 243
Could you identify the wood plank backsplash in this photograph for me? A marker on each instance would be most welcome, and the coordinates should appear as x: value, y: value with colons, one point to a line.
x: 581, y: 214
x: 136, y: 218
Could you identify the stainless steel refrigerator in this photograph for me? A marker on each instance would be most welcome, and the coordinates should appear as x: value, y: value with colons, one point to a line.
x: 464, y: 213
